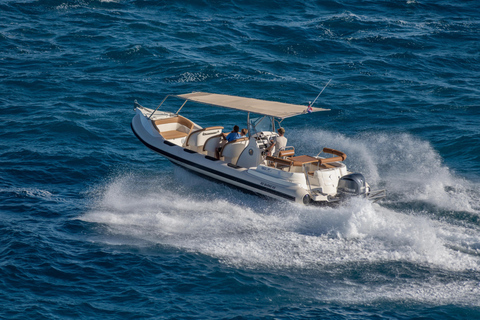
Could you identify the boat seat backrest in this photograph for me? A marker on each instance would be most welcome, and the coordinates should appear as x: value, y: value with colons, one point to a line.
x: 232, y: 150
x: 198, y: 137
x: 211, y: 144
x: 288, y: 152
x: 340, y: 156
x: 279, y: 162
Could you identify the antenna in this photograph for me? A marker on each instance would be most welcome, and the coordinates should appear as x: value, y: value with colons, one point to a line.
x: 311, y: 105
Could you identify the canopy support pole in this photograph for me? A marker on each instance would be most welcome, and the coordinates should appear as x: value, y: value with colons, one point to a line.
x: 158, y: 107
x: 181, y: 107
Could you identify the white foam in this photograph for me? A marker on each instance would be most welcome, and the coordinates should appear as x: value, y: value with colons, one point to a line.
x: 434, y: 291
x: 184, y: 211
x: 409, y: 168
x: 281, y: 235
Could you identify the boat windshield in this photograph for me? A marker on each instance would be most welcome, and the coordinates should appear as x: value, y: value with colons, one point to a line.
x: 260, y: 123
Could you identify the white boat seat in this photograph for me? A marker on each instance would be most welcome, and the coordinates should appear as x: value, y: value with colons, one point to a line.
x: 212, y: 144
x: 198, y: 137
x: 232, y: 150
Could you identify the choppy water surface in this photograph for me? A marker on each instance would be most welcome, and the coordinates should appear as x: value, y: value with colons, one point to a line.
x: 94, y: 225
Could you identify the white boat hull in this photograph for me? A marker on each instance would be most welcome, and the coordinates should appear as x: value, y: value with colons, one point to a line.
x: 214, y: 168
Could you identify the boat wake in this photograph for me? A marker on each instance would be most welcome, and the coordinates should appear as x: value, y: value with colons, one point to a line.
x: 243, y: 231
x: 409, y: 168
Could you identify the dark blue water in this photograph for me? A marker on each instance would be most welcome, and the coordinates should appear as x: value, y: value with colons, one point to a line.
x: 95, y: 226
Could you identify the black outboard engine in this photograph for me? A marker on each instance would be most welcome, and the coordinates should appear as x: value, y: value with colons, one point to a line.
x: 352, y: 185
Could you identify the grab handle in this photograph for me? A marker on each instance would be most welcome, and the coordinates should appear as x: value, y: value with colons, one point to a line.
x: 340, y: 156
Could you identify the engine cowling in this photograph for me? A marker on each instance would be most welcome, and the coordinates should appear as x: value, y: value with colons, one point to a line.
x: 352, y: 185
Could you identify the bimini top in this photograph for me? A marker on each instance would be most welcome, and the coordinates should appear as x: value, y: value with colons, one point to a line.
x: 263, y: 107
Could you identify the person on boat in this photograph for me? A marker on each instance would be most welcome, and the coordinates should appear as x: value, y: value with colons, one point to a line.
x: 232, y: 136
x: 278, y: 143
x: 243, y: 133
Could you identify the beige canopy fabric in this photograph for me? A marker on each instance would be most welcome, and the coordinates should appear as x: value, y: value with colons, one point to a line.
x: 263, y: 107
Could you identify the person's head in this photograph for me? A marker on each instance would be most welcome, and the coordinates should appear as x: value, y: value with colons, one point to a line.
x: 236, y: 128
x: 244, y: 132
x: 281, y: 131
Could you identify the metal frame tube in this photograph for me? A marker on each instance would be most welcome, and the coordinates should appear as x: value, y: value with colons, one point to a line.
x: 181, y: 107
x: 158, y: 106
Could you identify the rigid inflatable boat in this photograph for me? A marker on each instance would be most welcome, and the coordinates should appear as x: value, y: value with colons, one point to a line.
x: 246, y: 163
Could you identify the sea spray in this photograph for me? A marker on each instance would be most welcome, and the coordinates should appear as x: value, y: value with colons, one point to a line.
x: 280, y: 235
x: 409, y: 168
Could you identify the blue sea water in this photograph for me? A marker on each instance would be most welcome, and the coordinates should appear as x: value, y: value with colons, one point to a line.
x: 95, y: 226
